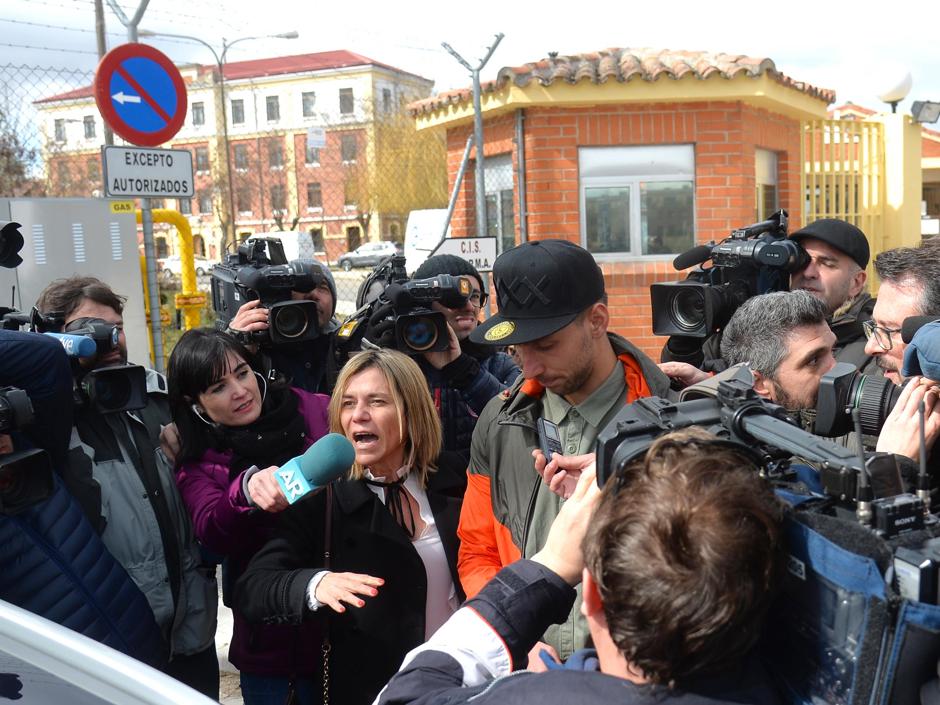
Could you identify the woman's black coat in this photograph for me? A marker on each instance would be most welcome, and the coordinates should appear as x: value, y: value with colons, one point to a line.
x: 368, y: 643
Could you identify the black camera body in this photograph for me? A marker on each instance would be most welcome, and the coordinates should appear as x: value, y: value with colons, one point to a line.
x: 417, y: 328
x: 16, y: 410
x: 259, y: 270
x: 753, y: 260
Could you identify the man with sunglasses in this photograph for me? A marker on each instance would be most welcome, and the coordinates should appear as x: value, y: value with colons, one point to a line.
x: 466, y: 376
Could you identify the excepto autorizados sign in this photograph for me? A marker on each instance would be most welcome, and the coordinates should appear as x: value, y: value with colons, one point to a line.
x: 147, y: 173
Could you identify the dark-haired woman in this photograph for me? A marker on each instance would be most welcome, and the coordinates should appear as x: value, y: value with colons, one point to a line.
x: 235, y: 428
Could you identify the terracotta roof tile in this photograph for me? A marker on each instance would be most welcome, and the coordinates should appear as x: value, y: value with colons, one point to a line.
x: 623, y: 66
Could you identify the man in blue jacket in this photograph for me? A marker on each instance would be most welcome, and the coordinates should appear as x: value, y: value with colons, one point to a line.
x: 466, y: 376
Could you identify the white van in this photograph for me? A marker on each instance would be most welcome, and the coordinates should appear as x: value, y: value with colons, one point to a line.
x: 297, y: 244
x: 424, y: 231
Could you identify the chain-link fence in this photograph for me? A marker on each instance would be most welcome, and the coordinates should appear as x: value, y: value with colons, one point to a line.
x: 328, y: 153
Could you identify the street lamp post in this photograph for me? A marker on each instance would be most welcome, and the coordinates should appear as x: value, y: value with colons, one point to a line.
x: 220, y: 67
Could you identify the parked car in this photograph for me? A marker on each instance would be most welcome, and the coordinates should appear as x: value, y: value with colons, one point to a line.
x: 368, y: 255
x: 44, y: 662
x: 173, y: 267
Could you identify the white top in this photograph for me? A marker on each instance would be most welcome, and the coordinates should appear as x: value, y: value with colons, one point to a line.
x: 442, y: 598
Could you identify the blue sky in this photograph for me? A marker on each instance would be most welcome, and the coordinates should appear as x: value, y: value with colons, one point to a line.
x: 848, y: 47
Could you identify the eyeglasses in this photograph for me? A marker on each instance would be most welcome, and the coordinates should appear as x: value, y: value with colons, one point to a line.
x: 882, y: 335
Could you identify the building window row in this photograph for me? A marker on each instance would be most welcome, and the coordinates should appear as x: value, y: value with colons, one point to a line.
x: 308, y: 100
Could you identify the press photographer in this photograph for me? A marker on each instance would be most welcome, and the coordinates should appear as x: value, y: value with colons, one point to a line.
x: 285, y: 309
x: 431, y: 317
x: 138, y: 510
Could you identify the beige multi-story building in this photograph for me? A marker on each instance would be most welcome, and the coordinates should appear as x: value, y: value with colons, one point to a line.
x: 318, y: 143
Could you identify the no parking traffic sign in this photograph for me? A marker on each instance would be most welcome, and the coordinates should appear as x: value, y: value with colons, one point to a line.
x: 140, y: 94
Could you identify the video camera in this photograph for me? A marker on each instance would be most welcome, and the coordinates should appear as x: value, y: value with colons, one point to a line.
x: 260, y: 270
x: 755, y: 259
x: 119, y: 387
x: 396, y: 312
x: 25, y: 476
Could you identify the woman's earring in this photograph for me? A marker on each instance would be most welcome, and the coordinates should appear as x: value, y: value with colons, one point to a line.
x: 264, y: 385
x: 198, y: 412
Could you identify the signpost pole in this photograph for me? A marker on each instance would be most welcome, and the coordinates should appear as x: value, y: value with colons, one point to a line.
x: 150, y: 256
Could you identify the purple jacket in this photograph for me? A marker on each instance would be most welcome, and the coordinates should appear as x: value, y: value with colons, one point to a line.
x: 226, y: 524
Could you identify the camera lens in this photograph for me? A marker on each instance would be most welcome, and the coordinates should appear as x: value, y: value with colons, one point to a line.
x: 420, y: 334
x: 687, y: 309
x: 290, y: 321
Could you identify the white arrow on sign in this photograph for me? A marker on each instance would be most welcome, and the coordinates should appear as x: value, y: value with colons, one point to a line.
x: 122, y: 98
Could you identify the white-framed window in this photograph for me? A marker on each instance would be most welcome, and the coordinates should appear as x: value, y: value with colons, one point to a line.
x: 205, y: 201
x: 308, y: 101
x: 386, y: 100
x: 89, y: 123
x: 311, y: 155
x: 275, y: 153
x: 202, y: 159
x: 347, y: 103
x: 272, y: 108
x: 637, y: 201
x: 314, y: 196
x: 60, y: 130
x: 500, y: 204
x: 768, y: 195
x: 348, y: 147
x: 199, y: 114
x: 238, y: 111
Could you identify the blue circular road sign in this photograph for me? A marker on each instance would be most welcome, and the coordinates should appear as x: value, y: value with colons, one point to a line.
x: 140, y: 94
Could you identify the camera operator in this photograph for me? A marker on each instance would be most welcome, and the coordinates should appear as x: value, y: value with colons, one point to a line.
x: 145, y: 525
x: 784, y: 339
x: 836, y: 275
x: 52, y: 561
x: 309, y: 364
x: 466, y: 376
x: 838, y: 254
x: 676, y: 584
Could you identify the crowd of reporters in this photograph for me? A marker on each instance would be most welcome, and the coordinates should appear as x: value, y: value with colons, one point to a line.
x: 448, y: 501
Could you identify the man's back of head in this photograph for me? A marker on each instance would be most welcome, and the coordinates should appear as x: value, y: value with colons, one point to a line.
x: 684, y: 556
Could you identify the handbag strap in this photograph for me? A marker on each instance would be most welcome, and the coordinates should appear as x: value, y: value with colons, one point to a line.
x: 326, y: 647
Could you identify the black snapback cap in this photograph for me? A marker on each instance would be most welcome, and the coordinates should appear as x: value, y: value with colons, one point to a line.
x: 843, y: 236
x: 541, y: 286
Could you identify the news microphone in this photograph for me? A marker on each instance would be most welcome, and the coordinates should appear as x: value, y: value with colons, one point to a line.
x: 912, y: 324
x: 319, y: 465
x: 690, y: 258
x: 76, y: 345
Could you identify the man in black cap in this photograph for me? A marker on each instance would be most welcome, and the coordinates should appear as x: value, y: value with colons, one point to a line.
x: 552, y: 307
x: 836, y: 275
x: 463, y: 378
x: 838, y: 255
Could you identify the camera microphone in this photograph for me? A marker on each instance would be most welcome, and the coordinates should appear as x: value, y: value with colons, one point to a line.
x: 317, y: 467
x: 693, y: 257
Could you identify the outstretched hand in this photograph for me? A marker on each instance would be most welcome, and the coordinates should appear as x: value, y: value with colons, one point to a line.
x: 336, y: 588
x: 562, y: 551
x: 563, y: 472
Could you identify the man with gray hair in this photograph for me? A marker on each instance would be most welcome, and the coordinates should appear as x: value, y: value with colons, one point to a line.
x: 785, y: 340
